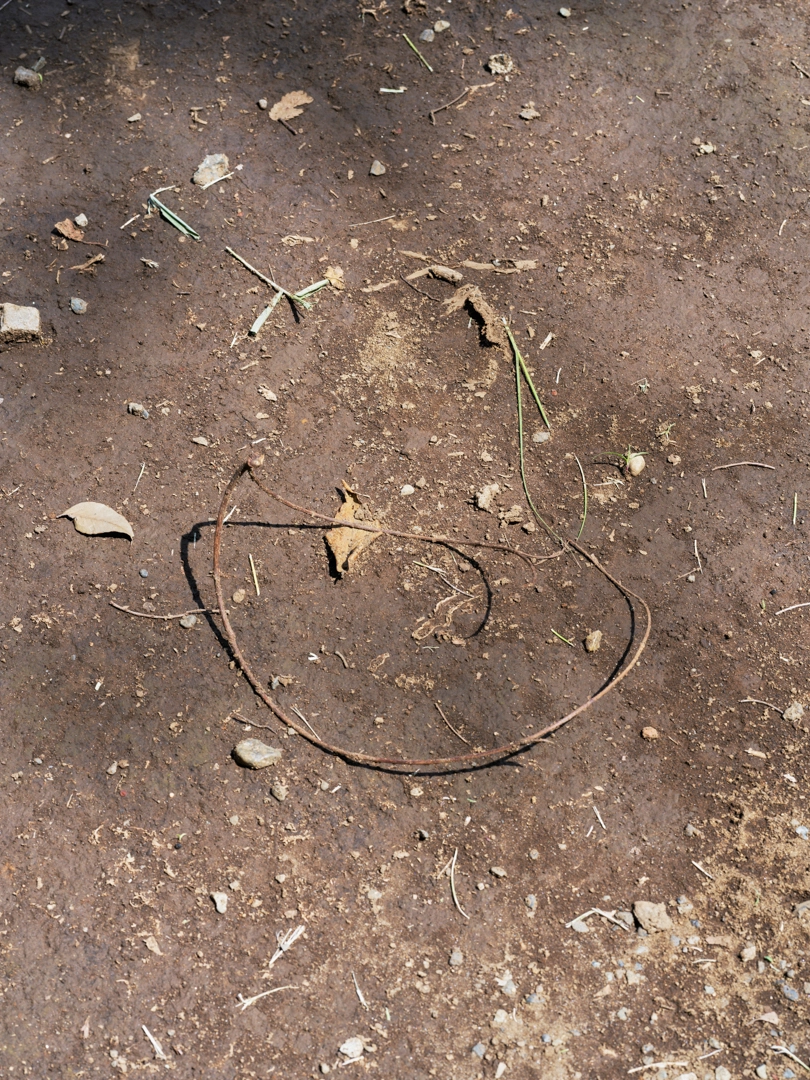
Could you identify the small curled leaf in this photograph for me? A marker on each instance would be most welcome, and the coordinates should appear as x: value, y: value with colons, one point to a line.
x: 98, y: 519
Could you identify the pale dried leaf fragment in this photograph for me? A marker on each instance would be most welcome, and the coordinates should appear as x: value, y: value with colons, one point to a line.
x: 152, y: 945
x: 346, y: 544
x: 334, y: 275
x: 470, y: 296
x: 290, y: 105
x: 67, y: 229
x: 98, y: 519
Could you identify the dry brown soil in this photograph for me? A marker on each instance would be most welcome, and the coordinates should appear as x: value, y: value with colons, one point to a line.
x: 659, y: 196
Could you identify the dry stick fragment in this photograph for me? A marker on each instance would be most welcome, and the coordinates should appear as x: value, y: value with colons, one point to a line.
x: 373, y: 221
x: 735, y: 464
x: 453, y: 885
x: 245, y: 1003
x: 456, y: 733
x: 285, y: 941
x: 800, y: 69
x: 609, y: 915
x: 155, y: 1044
x: 793, y: 607
x: 180, y: 615
x: 659, y: 1065
x: 359, y: 992
x: 756, y: 701
x: 706, y: 873
x: 476, y: 758
x: 433, y: 112
x: 784, y: 1049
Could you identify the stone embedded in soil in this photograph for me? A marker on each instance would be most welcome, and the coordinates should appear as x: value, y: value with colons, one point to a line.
x: 81, y: 221
x: 440, y: 26
x: 188, y: 621
x: 497, y: 871
x: 748, y: 954
x: 279, y: 791
x: 762, y: 1072
x: 649, y: 733
x: 407, y: 489
x: 352, y: 1048
x: 593, y: 641
x: 794, y: 712
x: 484, y: 497
x: 239, y: 596
x: 427, y: 35
x: 19, y: 323
x: 377, y: 168
x: 652, y: 917
x: 220, y: 901
x: 213, y: 167
x: 479, y: 1050
x: 254, y: 754
x: 24, y: 76
x: 456, y: 958
x: 500, y: 64
x: 78, y: 306
x: 722, y: 1073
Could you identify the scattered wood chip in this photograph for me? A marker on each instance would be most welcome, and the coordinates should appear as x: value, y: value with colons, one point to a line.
x: 290, y: 105
x: 378, y: 288
x: 98, y: 519
x: 67, y: 229
x: 346, y: 545
x: 91, y: 262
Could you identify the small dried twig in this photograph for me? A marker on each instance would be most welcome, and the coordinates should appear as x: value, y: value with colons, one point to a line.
x: 784, y: 1049
x: 609, y: 915
x: 705, y: 873
x: 453, y: 884
x: 449, y: 584
x: 374, y: 221
x: 736, y: 464
x: 801, y: 70
x: 269, y: 281
x: 342, y: 657
x: 421, y: 292
x: 793, y: 607
x: 359, y: 992
x: 255, y: 577
x: 456, y: 733
x: 659, y: 1065
x: 245, y: 1003
x: 301, y: 716
x: 155, y: 1044
x: 285, y: 939
x: 599, y: 818
x: 180, y: 615
x: 756, y: 701
x: 90, y: 262
x: 441, y: 108
x: 140, y: 474
x: 700, y: 567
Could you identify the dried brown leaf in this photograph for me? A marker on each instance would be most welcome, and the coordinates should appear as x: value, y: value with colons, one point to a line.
x: 346, y: 544
x: 290, y: 105
x: 98, y: 519
x: 67, y: 229
x: 334, y: 275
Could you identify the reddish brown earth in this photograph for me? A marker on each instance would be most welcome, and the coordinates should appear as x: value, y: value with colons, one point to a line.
x: 661, y: 192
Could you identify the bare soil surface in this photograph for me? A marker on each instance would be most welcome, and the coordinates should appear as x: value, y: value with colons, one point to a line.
x: 648, y: 211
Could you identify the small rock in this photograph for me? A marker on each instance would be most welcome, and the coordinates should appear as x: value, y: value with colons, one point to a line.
x: 262, y: 103
x: 675, y: 941
x: 479, y: 1049
x: 24, y: 76
x: 802, y: 831
x: 541, y: 436
x: 484, y: 497
x: 423, y: 834
x: 762, y: 1072
x: 407, y: 489
x: 456, y: 958
x: 528, y: 112
x: 213, y: 167
x: 188, y: 621
x: 529, y: 527
x: 790, y: 992
x: 709, y: 990
x: 565, y: 12
x: 325, y: 1069
x: 706, y: 148
x: 722, y: 1073
x: 201, y: 440
x: 500, y: 64
x: 239, y: 596
x: 81, y: 221
x: 427, y: 35
x: 534, y: 854
x: 220, y: 901
x: 748, y: 954
x: 19, y: 323
x: 374, y: 895
x: 254, y: 754
x: 235, y: 885
x: 112, y: 769
x: 279, y: 791
x: 649, y: 733
x: 513, y: 515
x: 143, y: 573
x: 690, y: 830
x: 626, y: 917
x: 234, y: 819
x: 794, y: 712
x: 593, y: 642
x: 352, y: 1048
x: 622, y: 1014
x: 417, y: 792
x: 136, y: 409
x: 78, y: 306
x: 531, y: 902
x: 134, y: 118
x: 377, y: 168
x: 440, y: 26
x: 652, y: 917
x: 497, y: 871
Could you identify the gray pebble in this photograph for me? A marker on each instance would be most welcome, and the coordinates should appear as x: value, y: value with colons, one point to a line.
x: 78, y: 306
x: 279, y: 791
x: 788, y: 1074
x: 531, y: 902
x: 456, y: 958
x: 533, y: 999
x: 423, y: 834
x: 534, y: 854
x: 648, y: 1048
x: 690, y: 830
x: 378, y: 169
x: 144, y: 573
x: 136, y: 409
x: 497, y: 871
x: 220, y: 901
x: 254, y: 754
x: 762, y: 1072
x: 541, y: 436
x: 622, y: 1013
x: 790, y: 993
x: 722, y: 1073
x: 479, y: 1049
x: 675, y: 940
x: 545, y: 1038
x: 24, y: 76
x: 262, y: 103
x: 427, y: 35
x: 188, y: 621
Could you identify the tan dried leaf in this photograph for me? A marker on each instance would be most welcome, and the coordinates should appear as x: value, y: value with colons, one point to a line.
x: 289, y: 106
x: 346, y: 544
x: 334, y: 275
x: 470, y: 296
x: 67, y: 229
x: 98, y: 519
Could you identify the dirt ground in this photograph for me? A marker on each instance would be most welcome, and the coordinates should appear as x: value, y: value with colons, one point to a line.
x: 648, y: 211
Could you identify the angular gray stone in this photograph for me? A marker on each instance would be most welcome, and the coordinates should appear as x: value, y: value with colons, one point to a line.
x: 78, y: 306
x: 456, y: 958
x: 24, y: 76
x: 652, y: 917
x: 377, y: 168
x: 427, y: 35
x: 213, y: 167
x: 19, y: 323
x: 254, y: 754
x: 794, y: 712
x: 220, y: 901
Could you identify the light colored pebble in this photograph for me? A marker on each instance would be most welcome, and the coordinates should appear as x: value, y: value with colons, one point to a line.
x: 220, y: 901
x: 188, y: 621
x: 593, y: 642
x: 254, y: 754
